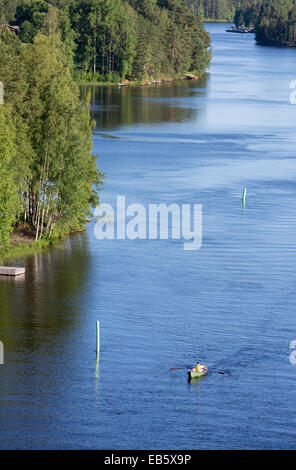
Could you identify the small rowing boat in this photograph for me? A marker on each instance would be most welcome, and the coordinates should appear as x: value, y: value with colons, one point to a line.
x: 196, y: 375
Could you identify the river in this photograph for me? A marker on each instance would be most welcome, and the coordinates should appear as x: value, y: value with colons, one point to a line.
x: 230, y: 304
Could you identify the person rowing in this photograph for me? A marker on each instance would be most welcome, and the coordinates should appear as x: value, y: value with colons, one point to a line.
x: 198, y: 368
x: 198, y: 371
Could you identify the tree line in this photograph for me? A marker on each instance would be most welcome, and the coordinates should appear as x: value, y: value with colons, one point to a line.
x: 215, y: 9
x: 274, y: 21
x: 49, y: 178
x: 111, y: 40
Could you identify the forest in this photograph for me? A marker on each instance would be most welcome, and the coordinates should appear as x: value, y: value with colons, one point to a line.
x: 49, y: 177
x: 215, y: 10
x: 274, y: 21
x: 112, y: 40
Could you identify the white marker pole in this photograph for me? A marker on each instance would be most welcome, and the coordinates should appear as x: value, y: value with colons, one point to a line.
x: 98, y: 338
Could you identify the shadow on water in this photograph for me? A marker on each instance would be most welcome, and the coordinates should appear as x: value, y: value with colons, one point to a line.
x: 43, y: 305
x: 113, y: 107
x: 195, y: 384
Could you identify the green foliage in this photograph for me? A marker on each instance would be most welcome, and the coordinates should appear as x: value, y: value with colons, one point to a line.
x: 276, y: 23
x: 7, y: 10
x: 8, y: 190
x: 49, y: 178
x: 119, y: 39
x: 274, y: 20
x: 30, y: 16
x: 214, y: 9
x: 247, y: 13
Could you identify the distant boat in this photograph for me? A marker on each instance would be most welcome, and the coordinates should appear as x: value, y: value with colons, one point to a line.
x: 241, y: 30
x: 231, y: 30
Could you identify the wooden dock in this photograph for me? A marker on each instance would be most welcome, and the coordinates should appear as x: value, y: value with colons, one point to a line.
x: 11, y: 271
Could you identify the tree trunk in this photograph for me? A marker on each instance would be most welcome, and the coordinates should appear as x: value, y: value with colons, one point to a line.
x: 95, y: 53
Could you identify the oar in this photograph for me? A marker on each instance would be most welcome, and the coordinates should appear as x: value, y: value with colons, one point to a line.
x: 210, y: 370
x: 226, y: 372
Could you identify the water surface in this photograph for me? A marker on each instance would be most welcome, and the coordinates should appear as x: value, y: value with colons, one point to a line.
x: 230, y: 304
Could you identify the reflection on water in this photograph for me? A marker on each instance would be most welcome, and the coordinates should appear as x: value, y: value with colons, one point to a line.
x: 114, y: 107
x: 195, y: 384
x: 47, y: 295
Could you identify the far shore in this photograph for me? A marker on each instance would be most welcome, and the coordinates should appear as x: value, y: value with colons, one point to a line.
x: 135, y: 84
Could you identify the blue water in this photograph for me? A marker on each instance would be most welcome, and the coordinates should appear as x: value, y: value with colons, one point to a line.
x: 231, y: 304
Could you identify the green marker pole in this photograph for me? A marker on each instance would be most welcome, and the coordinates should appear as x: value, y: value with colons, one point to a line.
x: 98, y: 338
x: 244, y: 195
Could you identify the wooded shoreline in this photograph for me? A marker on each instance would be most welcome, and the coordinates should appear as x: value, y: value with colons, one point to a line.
x: 141, y: 83
x: 50, y: 178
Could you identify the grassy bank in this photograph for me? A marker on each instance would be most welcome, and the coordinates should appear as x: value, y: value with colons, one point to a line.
x: 24, y: 249
x: 22, y: 243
